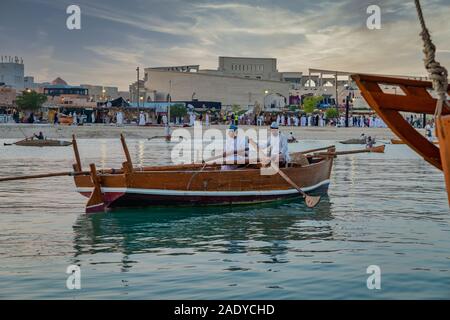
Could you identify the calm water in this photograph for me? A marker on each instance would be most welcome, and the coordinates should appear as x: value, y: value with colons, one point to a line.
x: 386, y: 209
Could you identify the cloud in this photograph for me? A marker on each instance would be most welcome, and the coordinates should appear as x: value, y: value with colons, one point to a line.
x: 117, y: 36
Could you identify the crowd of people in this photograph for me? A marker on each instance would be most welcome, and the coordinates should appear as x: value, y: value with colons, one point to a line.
x: 142, y: 118
x: 303, y: 120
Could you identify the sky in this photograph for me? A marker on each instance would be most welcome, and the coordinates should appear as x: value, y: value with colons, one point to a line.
x: 116, y: 36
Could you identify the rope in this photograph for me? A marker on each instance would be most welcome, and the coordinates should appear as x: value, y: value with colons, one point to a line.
x: 438, y: 73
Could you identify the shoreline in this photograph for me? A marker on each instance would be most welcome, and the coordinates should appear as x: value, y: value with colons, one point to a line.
x: 100, y: 131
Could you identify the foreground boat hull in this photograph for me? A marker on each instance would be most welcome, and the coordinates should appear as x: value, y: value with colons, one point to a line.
x: 205, y: 188
x: 138, y: 198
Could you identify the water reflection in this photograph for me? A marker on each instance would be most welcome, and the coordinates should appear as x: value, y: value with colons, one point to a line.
x: 264, y: 228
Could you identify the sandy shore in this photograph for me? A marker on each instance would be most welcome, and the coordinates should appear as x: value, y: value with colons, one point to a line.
x: 19, y: 131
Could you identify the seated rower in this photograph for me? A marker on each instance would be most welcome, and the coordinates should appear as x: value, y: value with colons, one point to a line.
x: 40, y: 136
x: 235, y: 149
x: 277, y: 146
x: 370, y: 142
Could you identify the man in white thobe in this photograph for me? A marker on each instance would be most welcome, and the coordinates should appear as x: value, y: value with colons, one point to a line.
x: 277, y: 146
x: 142, y: 119
x: 303, y: 121
x: 207, y: 120
x: 119, y: 118
x: 192, y: 119
x: 235, y: 148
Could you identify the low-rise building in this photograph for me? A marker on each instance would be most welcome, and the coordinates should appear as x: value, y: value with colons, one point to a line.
x: 12, y: 72
x: 101, y: 93
x: 7, y: 96
x: 60, y: 94
x: 246, y: 82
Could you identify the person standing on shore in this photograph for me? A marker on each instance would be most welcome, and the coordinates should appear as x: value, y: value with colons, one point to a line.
x: 207, y: 119
x: 429, y: 131
x: 142, y: 118
x: 119, y: 118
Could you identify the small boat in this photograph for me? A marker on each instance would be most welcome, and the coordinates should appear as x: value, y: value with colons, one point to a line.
x: 197, y: 184
x: 377, y: 149
x: 397, y: 141
x: 356, y: 141
x: 42, y: 143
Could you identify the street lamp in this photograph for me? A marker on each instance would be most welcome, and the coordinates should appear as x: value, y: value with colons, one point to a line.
x: 347, y: 104
x: 266, y: 93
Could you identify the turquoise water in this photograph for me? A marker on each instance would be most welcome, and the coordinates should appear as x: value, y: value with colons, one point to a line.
x: 386, y: 209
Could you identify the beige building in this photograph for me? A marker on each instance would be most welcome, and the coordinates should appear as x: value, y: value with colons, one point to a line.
x: 237, y: 81
x: 101, y: 93
x: 229, y: 90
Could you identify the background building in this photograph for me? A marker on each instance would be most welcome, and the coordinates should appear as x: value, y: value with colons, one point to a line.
x: 144, y: 94
x: 101, y: 93
x: 7, y: 96
x: 237, y: 81
x: 12, y: 72
x: 61, y: 94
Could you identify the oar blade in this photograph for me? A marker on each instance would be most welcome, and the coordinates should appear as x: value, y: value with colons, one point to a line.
x: 312, y: 201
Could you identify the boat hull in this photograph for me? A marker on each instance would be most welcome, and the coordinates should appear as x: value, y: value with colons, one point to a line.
x: 204, y: 188
x: 43, y: 143
x: 354, y: 141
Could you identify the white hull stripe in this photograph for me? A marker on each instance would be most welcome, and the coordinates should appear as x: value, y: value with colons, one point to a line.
x: 204, y: 193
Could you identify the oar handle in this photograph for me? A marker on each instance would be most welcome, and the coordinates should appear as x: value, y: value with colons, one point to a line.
x: 224, y: 155
x: 315, y: 150
x: 47, y: 175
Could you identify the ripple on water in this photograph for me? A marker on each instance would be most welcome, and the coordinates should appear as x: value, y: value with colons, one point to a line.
x: 388, y: 210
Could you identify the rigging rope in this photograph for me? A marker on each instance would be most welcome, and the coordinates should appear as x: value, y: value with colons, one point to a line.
x: 438, y: 73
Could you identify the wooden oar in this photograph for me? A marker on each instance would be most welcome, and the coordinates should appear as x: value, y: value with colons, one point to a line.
x: 11, y: 144
x: 223, y: 155
x: 46, y: 175
x: 313, y: 150
x: 379, y: 149
x: 311, y: 201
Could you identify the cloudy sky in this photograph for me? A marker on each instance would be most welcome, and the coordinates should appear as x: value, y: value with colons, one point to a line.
x: 117, y: 35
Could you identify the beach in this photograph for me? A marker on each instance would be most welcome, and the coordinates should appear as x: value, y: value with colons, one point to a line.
x: 99, y: 131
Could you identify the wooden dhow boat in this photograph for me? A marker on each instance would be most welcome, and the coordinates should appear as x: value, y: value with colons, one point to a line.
x: 198, y: 184
x: 306, y: 175
x: 416, y: 97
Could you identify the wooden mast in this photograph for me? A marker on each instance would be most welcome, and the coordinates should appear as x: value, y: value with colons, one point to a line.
x: 77, y: 167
